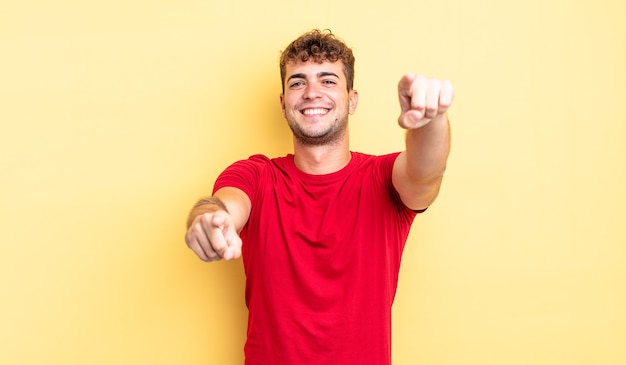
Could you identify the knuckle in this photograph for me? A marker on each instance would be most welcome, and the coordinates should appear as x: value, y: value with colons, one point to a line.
x: 196, y: 228
x: 205, y: 219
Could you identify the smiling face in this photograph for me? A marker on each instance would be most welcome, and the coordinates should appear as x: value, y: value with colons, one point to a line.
x: 316, y: 101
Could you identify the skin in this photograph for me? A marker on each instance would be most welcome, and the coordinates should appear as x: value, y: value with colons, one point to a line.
x: 320, y: 139
x: 316, y: 104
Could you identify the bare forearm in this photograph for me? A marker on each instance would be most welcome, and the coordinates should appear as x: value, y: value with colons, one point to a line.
x: 418, y: 171
x: 427, y: 150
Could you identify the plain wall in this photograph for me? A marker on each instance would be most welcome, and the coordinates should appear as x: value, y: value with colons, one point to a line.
x: 116, y: 116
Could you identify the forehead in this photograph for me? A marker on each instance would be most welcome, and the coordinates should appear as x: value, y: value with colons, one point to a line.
x: 312, y: 68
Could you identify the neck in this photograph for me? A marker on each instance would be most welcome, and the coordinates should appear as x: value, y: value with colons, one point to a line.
x: 323, y: 159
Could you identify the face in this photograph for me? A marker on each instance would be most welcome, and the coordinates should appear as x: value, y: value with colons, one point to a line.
x: 316, y: 101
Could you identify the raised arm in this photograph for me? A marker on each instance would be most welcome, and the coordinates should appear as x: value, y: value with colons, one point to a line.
x: 418, y: 171
x: 214, y: 224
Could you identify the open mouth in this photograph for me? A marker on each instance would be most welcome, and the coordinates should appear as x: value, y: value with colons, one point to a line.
x: 314, y: 111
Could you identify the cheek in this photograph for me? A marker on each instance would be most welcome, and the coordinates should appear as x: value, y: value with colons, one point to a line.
x: 289, y: 106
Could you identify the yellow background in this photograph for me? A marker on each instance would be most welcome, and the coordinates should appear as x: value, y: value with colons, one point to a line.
x: 116, y: 115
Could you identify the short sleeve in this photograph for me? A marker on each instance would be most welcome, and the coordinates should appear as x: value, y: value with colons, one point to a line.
x: 243, y: 175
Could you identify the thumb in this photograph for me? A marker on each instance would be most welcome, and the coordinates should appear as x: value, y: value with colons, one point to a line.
x: 411, y: 115
x: 404, y: 92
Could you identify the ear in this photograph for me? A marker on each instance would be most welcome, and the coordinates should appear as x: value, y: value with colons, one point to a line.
x: 282, y: 104
x: 353, y: 100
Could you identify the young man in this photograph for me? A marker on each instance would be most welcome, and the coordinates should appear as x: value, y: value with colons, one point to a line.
x: 323, y: 229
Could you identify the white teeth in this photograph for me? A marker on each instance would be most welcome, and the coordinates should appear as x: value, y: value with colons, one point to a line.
x: 314, y: 111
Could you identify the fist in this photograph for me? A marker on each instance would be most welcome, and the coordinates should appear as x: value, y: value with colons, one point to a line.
x: 422, y: 100
x: 212, y: 237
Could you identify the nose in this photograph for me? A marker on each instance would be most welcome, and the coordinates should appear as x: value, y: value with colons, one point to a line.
x: 311, y: 91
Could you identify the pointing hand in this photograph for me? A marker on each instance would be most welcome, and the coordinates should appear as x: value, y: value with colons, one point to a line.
x: 422, y: 100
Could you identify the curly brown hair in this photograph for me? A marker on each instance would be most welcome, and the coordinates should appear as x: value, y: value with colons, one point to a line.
x: 319, y: 46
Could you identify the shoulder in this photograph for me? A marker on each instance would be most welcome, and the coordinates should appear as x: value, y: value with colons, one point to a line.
x: 382, y: 162
x: 257, y: 159
x: 251, y: 163
x: 263, y: 160
x: 376, y: 172
x: 257, y: 166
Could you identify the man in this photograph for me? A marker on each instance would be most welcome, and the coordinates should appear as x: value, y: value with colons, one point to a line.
x: 323, y: 229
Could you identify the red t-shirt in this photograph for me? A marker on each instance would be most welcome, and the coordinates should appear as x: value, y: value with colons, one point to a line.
x: 321, y: 255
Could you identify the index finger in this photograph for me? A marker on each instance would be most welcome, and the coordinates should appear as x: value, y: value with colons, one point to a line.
x: 214, y: 229
x: 404, y: 91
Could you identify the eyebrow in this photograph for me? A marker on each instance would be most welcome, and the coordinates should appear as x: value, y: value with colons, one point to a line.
x: 319, y: 74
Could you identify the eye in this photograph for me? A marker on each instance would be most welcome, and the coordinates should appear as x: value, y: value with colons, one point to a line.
x: 296, y: 85
x: 329, y: 82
